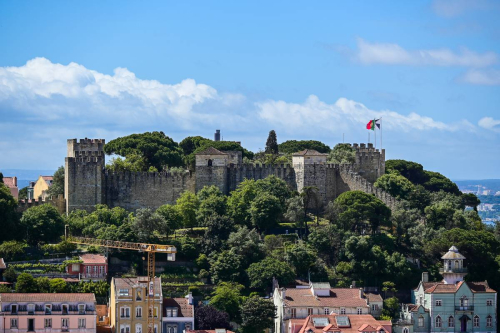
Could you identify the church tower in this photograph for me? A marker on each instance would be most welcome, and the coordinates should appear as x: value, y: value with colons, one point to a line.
x: 453, y: 266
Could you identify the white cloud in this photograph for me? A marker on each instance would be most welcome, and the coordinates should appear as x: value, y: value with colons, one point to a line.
x: 393, y: 54
x: 490, y: 124
x: 454, y: 8
x: 345, y: 115
x: 489, y: 77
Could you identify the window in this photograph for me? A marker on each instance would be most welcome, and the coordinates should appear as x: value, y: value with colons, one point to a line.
x: 48, y: 323
x: 406, y: 330
x: 489, y: 302
x: 138, y: 311
x: 156, y: 312
x: 209, y: 162
x: 439, y: 302
x: 31, y: 308
x: 64, y: 324
x: 360, y: 311
x: 294, y: 313
x: 81, y: 308
x: 476, y: 321
x: 309, y: 311
x: 13, y: 323
x: 374, y: 307
x: 82, y: 322
x: 65, y: 309
x: 101, y: 270
x: 451, y: 321
x: 48, y: 309
x: 421, y: 321
x: 123, y: 292
x: 139, y: 295
x: 172, y: 329
x: 138, y: 328
x: 421, y: 300
x: 125, y: 312
x: 187, y: 326
x: 75, y: 267
x: 342, y: 311
x: 13, y: 308
x: 327, y: 311
x: 438, y: 322
x: 156, y: 329
x: 464, y: 301
x: 489, y: 321
x: 124, y: 328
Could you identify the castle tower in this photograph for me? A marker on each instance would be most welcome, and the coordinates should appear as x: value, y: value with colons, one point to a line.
x: 84, y: 174
x: 370, y: 162
x: 453, y: 266
x: 211, y: 169
x: 310, y: 170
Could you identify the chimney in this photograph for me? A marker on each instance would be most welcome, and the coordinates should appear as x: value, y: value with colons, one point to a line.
x: 425, y: 277
x: 217, y: 135
x: 353, y: 284
x: 15, y: 181
x: 283, y: 293
x: 360, y: 292
x: 190, y: 298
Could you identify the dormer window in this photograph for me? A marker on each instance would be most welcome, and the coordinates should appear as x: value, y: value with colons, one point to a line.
x: 13, y: 309
x: 123, y: 292
x: 31, y: 308
x: 48, y: 309
x: 81, y: 308
x: 65, y: 309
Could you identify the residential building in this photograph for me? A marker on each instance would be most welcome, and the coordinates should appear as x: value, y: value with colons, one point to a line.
x: 3, y: 267
x: 178, y: 314
x: 102, y: 315
x: 93, y: 267
x: 47, y: 313
x: 376, y: 304
x: 319, y: 299
x: 129, y: 305
x: 11, y: 183
x: 451, y: 305
x: 219, y: 330
x: 41, y: 186
x: 344, y: 324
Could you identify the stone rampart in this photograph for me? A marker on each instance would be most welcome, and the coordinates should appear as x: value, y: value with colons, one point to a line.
x: 237, y: 173
x: 133, y: 190
x: 58, y: 202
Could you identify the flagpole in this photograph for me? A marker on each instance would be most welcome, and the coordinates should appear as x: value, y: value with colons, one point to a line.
x: 375, y: 130
x: 381, y: 128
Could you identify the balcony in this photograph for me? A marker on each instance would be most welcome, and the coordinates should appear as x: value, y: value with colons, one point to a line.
x: 408, y: 322
x: 464, y: 308
x: 452, y: 270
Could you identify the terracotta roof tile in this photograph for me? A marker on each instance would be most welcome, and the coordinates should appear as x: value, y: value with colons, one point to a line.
x: 443, y: 288
x: 2, y: 264
x: 89, y: 258
x: 480, y: 287
x: 339, y: 297
x: 358, y: 323
x: 373, y: 297
x: 9, y: 182
x: 47, y: 297
x: 131, y: 282
x: 47, y: 178
x: 182, y: 304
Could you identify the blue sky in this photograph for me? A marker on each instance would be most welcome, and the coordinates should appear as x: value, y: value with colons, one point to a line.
x: 316, y: 70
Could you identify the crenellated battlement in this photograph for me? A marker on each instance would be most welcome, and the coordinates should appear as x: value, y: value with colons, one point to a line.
x: 58, y: 202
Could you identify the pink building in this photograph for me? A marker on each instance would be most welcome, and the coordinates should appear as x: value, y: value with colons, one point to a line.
x: 93, y: 267
x: 11, y: 183
x: 47, y: 313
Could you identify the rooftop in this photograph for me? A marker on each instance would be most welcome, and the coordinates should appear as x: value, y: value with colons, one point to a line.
x: 10, y: 181
x: 134, y: 282
x: 184, y: 309
x: 89, y: 258
x: 47, y: 297
x: 211, y: 151
x: 309, y: 152
x: 339, y: 297
x: 344, y: 324
x: 443, y: 288
x: 453, y: 254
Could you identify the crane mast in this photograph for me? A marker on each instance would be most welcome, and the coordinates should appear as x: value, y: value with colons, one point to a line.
x: 151, y: 249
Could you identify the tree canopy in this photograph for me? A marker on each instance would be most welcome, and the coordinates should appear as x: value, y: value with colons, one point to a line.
x: 342, y: 153
x: 294, y: 146
x: 272, y: 143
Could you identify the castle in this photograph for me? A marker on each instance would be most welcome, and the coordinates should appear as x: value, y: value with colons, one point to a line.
x: 88, y: 183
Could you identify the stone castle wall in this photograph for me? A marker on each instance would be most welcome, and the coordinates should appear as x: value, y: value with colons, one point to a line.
x: 58, y: 202
x: 88, y: 183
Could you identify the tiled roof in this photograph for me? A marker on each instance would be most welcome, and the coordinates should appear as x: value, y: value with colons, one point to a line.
x: 184, y: 309
x: 428, y: 285
x: 358, y: 323
x: 211, y: 151
x: 130, y: 282
x: 47, y: 297
x: 48, y: 178
x: 207, y: 331
x: 89, y: 258
x: 443, y: 288
x: 321, y: 285
x: 9, y: 182
x: 480, y: 287
x: 2, y: 264
x: 339, y: 297
x: 309, y: 152
x: 373, y: 297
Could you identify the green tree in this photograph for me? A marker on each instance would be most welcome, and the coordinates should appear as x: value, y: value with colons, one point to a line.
x: 5, y: 289
x: 272, y: 143
x: 172, y: 218
x: 302, y: 257
x: 147, y: 223
x: 257, y: 314
x: 191, y: 143
x: 396, y: 185
x: 99, y: 288
x: 158, y: 150
x: 265, y: 211
x: 8, y: 216
x: 437, y: 182
x: 246, y: 243
x: 218, y: 230
x: 360, y: 210
x: 43, y: 284
x: 58, y: 286
x: 293, y: 146
x: 470, y: 200
x: 261, y: 274
x: 210, y: 206
x: 240, y: 200
x: 42, y: 224
x: 342, y: 153
x: 132, y: 163
x: 227, y: 297
x: 226, y: 266
x: 391, y: 308
x: 57, y: 187
x: 23, y: 193
x: 187, y: 204
x: 26, y: 284
x: 10, y: 275
x: 328, y: 241
x: 10, y: 250
x: 412, y: 171
x: 274, y: 186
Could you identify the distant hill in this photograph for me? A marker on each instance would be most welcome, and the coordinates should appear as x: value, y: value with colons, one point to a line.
x: 471, y: 185
x: 24, y: 177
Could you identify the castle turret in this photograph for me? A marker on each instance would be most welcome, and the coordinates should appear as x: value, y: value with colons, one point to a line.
x: 211, y: 169
x: 84, y: 176
x: 370, y: 162
x: 453, y: 270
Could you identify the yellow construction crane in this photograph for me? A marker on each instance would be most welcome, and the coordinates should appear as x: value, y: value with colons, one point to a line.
x: 151, y: 249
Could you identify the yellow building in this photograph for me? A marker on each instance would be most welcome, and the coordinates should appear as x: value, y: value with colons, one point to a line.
x: 129, y: 305
x: 41, y: 186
